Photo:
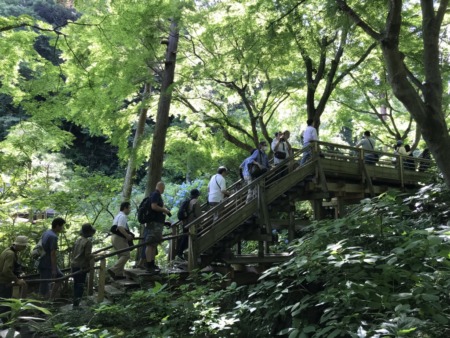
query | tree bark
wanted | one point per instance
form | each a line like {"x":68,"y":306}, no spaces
{"x":154,"y":171}
{"x":131,"y":166}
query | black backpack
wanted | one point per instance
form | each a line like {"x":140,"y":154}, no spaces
{"x":144,"y":214}
{"x":183,"y":212}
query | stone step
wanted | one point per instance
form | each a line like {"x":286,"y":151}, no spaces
{"x":125,"y":284}
{"x":112,"y":293}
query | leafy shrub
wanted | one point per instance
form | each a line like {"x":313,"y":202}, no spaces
{"x":382,"y":270}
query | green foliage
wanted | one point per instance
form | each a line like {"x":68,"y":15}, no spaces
{"x":18,"y":307}
{"x":382,"y":270}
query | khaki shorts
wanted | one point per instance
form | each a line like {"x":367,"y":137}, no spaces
{"x":154,"y":233}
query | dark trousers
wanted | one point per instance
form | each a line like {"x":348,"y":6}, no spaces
{"x":78,"y":285}
{"x":182,"y":243}
{"x":5,"y":292}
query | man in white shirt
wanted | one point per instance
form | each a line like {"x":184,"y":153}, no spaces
{"x":367,"y":143}
{"x":281,"y":147}
{"x":217,"y":187}
{"x":120,"y":241}
{"x":309,"y":135}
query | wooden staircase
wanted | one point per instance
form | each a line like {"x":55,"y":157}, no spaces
{"x":335,"y":176}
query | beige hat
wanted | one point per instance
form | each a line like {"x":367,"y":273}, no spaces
{"x":21,"y":240}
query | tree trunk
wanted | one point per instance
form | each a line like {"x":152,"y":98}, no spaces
{"x":131,"y":167}
{"x":154,"y":172}
{"x":426,"y":109}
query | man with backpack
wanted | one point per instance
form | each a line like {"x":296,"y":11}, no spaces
{"x":154,"y":227}
{"x":217,"y":189}
{"x":189,"y":210}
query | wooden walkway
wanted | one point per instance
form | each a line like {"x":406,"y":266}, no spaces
{"x":335,"y":176}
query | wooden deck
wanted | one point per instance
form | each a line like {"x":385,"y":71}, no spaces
{"x":330,"y":179}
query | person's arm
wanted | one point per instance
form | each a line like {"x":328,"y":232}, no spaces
{"x":125,"y":234}
{"x":157,"y":208}
{"x":275,"y":147}
{"x":223,"y":186}
{"x":196,"y":210}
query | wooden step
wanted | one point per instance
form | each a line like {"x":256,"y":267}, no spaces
{"x":125,"y":284}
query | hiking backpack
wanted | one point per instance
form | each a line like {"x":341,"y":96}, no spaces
{"x":144,"y":214}
{"x":183,"y":212}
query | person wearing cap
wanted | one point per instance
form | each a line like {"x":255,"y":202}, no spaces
{"x":10,"y":269}
{"x":259,"y":156}
{"x":48,"y":266}
{"x":81,"y":256}
{"x":193,"y":212}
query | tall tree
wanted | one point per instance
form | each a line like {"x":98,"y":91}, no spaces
{"x":238,"y":77}
{"x":162,"y":116}
{"x":421,"y":93}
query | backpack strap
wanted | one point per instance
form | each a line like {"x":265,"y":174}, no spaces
{"x":368,"y":139}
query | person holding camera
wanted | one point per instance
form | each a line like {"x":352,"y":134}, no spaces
{"x":281,"y":147}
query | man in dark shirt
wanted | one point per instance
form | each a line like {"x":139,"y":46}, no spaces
{"x":48,"y":266}
{"x":155,"y":227}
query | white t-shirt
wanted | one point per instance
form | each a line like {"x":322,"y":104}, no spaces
{"x":215,"y":187}
{"x":282,"y":147}
{"x":121,"y":220}
{"x":309,"y":135}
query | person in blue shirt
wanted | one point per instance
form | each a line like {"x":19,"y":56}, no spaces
{"x":257,"y":158}
{"x":48,"y":266}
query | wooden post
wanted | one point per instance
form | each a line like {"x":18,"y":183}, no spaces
{"x":174,"y":242}
{"x":90,"y":286}
{"x":319,"y":210}
{"x":291,"y":226}
{"x":400,"y":167}
{"x":192,"y":251}
{"x":340,"y":208}
{"x":264,"y":213}
{"x":101,"y":281}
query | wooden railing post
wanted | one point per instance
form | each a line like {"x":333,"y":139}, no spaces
{"x":192,"y":251}
{"x":101,"y":280}
{"x":174,"y":242}
{"x":90,"y":287}
{"x":401,"y":173}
